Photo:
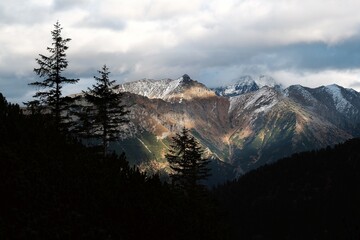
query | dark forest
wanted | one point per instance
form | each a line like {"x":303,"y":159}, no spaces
{"x":53,"y":187}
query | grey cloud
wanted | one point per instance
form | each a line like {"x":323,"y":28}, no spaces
{"x":320,"y":56}
{"x":61,"y":5}
{"x":355,"y":84}
{"x":93,"y":22}
{"x":300,"y":57}
{"x":19,"y":12}
{"x":225,"y":48}
{"x":15,"y":88}
{"x":209,"y":64}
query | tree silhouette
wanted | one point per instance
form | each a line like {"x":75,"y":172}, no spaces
{"x":102,"y":118}
{"x":51,"y":69}
{"x":185,"y":158}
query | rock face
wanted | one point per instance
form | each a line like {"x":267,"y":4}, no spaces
{"x":243,"y":125}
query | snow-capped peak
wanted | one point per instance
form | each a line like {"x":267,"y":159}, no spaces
{"x":262,"y":100}
{"x":151,"y":88}
{"x":238,"y":86}
{"x":340,"y":101}
{"x":185,"y":78}
{"x":166,"y":89}
{"x":246,"y":84}
{"x":258,"y":101}
{"x":264,"y":80}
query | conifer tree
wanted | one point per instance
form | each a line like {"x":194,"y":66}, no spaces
{"x":51,"y":69}
{"x":104,"y":114}
{"x":185,"y":158}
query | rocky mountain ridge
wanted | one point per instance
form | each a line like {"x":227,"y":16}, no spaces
{"x":167,"y":89}
{"x":245,"y":84}
{"x":244,"y":128}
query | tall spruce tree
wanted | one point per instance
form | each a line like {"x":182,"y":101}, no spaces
{"x":185,"y":159}
{"x":51,"y":69}
{"x":102,"y":118}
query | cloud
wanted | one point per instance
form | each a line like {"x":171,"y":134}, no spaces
{"x":345,"y":78}
{"x":22,"y":12}
{"x":15,"y":89}
{"x":63,"y":5}
{"x":307,"y":42}
{"x":355,"y":84}
{"x":93,"y":22}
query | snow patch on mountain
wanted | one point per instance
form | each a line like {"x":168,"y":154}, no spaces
{"x":151,"y":88}
{"x":234,"y":102}
{"x":246,"y":84}
{"x":341,"y":104}
{"x":266,"y":107}
{"x":262,"y":100}
{"x":307,"y":97}
{"x":239,"y":86}
{"x":259,"y":101}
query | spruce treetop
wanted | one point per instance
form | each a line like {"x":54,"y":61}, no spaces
{"x":51,"y":68}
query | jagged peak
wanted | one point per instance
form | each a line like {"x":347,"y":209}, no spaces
{"x":185,"y":78}
{"x":237,"y":86}
{"x":261,"y":80}
{"x":246,"y":84}
{"x":183,"y":87}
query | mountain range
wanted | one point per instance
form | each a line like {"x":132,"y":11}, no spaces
{"x":241,"y":126}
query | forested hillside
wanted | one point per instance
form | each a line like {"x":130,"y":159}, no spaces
{"x":52,"y":187}
{"x":311,"y":195}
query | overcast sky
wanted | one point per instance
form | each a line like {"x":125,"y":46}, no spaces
{"x":308,"y":42}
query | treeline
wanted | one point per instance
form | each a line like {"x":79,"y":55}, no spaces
{"x":52,"y":187}
{"x":310,"y":195}
{"x":95,"y":114}
{"x":55,"y":187}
